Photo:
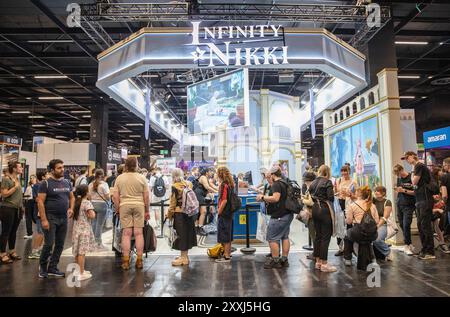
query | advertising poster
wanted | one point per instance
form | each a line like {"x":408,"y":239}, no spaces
{"x":359,"y":146}
{"x":167,"y":165}
{"x":217,"y":103}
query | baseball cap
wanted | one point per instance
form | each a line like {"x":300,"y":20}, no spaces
{"x":408,"y":153}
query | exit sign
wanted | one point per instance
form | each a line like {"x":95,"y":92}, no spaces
{"x":164,"y":152}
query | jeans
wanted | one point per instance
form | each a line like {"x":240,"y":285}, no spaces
{"x":379,"y":243}
{"x":405,"y":216}
{"x":424,"y":211}
{"x":99,"y":220}
{"x":55,"y":235}
{"x":324,"y":229}
{"x":10,"y":219}
{"x":29,"y":216}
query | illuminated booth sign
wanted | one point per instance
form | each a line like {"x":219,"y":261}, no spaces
{"x":251,"y":46}
{"x":436,"y":138}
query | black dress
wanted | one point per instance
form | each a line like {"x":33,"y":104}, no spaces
{"x":184,"y":227}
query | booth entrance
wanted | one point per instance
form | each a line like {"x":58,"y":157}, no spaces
{"x":258,"y":131}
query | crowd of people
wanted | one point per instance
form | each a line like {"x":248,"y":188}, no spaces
{"x":136,"y":196}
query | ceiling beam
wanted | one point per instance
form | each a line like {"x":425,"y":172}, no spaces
{"x":412,"y":15}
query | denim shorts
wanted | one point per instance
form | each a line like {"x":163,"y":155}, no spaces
{"x":279,"y":228}
{"x":224,"y":230}
{"x":39,"y":226}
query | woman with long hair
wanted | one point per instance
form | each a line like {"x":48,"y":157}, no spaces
{"x":322,"y":193}
{"x":99,"y":194}
{"x":29,"y":207}
{"x":225,"y":217}
{"x":354,"y":215}
{"x":345,"y":188}
{"x":182,"y":223}
{"x":202,"y":190}
{"x":83,"y":240}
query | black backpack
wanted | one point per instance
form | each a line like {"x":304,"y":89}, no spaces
{"x":368,"y":227}
{"x":159,"y":189}
{"x":234,"y":203}
{"x":293,"y":195}
{"x":433,"y":187}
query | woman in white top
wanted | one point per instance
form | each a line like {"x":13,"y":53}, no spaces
{"x":354,"y":214}
{"x":29,"y":203}
{"x":345,"y":189}
{"x":99,"y":194}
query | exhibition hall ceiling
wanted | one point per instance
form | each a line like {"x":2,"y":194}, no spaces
{"x":48,"y":71}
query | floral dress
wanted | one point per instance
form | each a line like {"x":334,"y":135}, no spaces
{"x":83,"y":240}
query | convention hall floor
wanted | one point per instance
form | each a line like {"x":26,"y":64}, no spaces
{"x":244,"y":277}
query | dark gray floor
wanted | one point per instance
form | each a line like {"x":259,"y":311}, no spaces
{"x":244,"y":277}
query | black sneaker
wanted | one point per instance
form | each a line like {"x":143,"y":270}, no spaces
{"x":268,"y":255}
{"x":427,"y":256}
{"x":271,"y":263}
{"x":284,"y":262}
{"x":43,"y":271}
{"x":56,"y":273}
{"x":201,"y":232}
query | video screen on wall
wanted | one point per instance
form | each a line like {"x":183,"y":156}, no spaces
{"x":359,"y":146}
{"x":219,"y":102}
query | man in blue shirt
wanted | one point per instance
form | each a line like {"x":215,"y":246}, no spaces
{"x":55,"y":204}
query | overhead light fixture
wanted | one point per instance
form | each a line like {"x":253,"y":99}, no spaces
{"x":50,"y":77}
{"x":157,"y":102}
{"x":166,"y":111}
{"x":28,"y":98}
{"x":85,"y":125}
{"x":410,"y":43}
{"x":303,"y":102}
{"x":161,"y":140}
{"x":60,"y":137}
{"x":35,"y":117}
{"x":429,"y":77}
{"x":134,"y":136}
{"x":311,"y":75}
{"x":50,"y":98}
{"x":315,"y":90}
{"x":159,"y":146}
{"x":408,"y":76}
{"x":40,"y":131}
{"x":149,"y":76}
{"x":133,"y":124}
{"x":80,"y":131}
{"x":50,"y":41}
{"x":80,"y":111}
{"x":124,"y":131}
{"x":86,"y":116}
{"x":20,"y":112}
{"x":127,"y":140}
{"x":424,"y":97}
{"x":38,"y":125}
{"x":407,"y":97}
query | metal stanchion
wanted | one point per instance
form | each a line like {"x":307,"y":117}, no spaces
{"x":161,"y":235}
{"x":247,"y":249}
{"x":309,"y":246}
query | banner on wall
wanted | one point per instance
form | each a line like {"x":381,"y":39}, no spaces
{"x":199,"y":164}
{"x":147,"y":112}
{"x":313,"y":120}
{"x":358,"y":146}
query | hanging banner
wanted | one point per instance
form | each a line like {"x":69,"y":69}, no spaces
{"x":181,"y":149}
{"x":313,"y":121}
{"x":147,"y":113}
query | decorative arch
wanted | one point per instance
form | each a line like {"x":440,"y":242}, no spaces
{"x":362,"y":103}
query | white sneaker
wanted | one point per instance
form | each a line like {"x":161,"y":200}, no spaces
{"x":84,"y":276}
{"x":408,"y":250}
{"x":348,"y":262}
{"x":28,"y":237}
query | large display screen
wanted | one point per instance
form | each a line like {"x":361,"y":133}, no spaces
{"x":358,"y":146}
{"x":219,"y":102}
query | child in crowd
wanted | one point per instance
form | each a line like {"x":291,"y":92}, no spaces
{"x":83,"y":240}
{"x":438,"y":214}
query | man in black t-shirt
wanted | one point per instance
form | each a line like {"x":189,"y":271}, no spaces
{"x":280,"y":221}
{"x":406,"y":204}
{"x":445,"y":188}
{"x":55,"y":204}
{"x":420,"y":179}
